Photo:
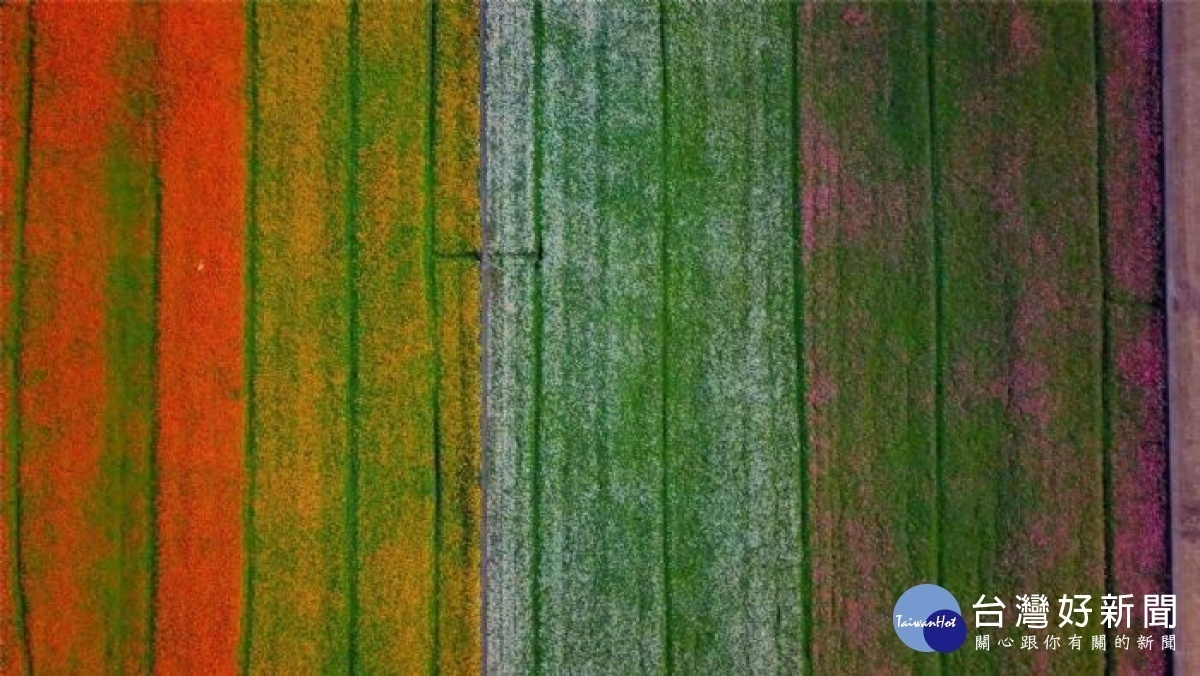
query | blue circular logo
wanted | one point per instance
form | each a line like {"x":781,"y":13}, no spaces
{"x":928,"y":618}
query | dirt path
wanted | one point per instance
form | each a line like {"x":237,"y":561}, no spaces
{"x":1181,"y":118}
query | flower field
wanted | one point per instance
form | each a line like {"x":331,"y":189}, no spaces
{"x":574,"y":337}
